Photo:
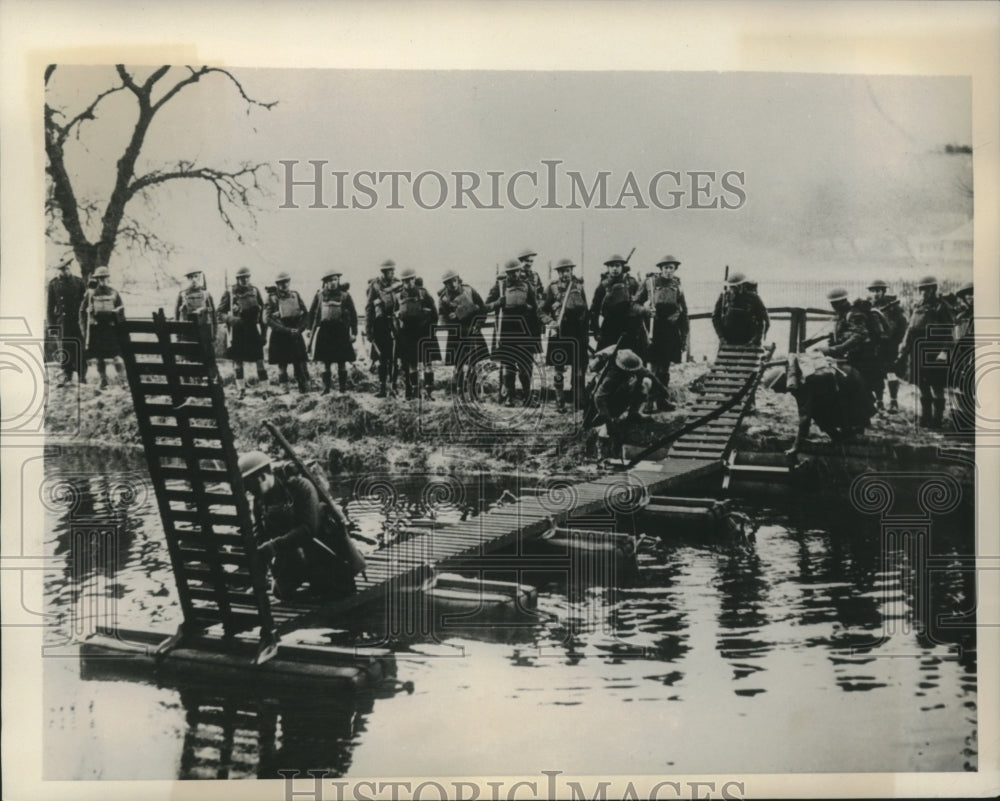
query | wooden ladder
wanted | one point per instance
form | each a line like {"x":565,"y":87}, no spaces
{"x":733,"y":366}
{"x":184,"y":425}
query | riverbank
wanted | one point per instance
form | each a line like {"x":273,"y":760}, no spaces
{"x":355,"y":432}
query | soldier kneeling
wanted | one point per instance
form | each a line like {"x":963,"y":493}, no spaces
{"x":299,"y":535}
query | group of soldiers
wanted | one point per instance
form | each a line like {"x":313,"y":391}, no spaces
{"x":640,"y":326}
{"x":875,"y":337}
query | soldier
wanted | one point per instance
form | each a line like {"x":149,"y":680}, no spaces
{"x":462,"y":311}
{"x":740,"y":317}
{"x":242,"y":310}
{"x":963,"y":376}
{"x":287,"y":317}
{"x":514,"y":301}
{"x":564,"y":310}
{"x":415,"y":343}
{"x":301,"y":538}
{"x":622,"y":386}
{"x":333,"y":321}
{"x":527,"y":259}
{"x":663,"y":304}
{"x":65,"y":296}
{"x":613,"y":314}
{"x":195,"y":304}
{"x":853,"y":340}
{"x":380,"y":308}
{"x":101,"y":311}
{"x":926,"y":346}
{"x":895,"y":324}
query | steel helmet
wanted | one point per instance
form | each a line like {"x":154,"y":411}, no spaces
{"x":836,"y":295}
{"x":102,"y":272}
{"x":282,"y":277}
{"x":736,"y":279}
{"x":512,"y":265}
{"x":615,"y":259}
{"x":243,"y":271}
{"x":926,"y":281}
{"x":408,"y":272}
{"x":192,"y":273}
{"x":333,"y":271}
{"x":565,"y":264}
{"x":253,"y":462}
{"x":450,"y":275}
{"x":878,"y":283}
{"x":628,"y":361}
{"x":965,"y":289}
{"x":527,"y":253}
{"x":668,"y":260}
{"x":388,"y":264}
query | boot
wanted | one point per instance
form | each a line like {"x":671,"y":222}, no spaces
{"x":342,"y":379}
{"x":303,"y":384}
{"x":409,"y":382}
{"x":428,"y":384}
{"x":561,"y":396}
{"x":925,"y":413}
{"x":381,"y":389}
{"x":104,"y":382}
{"x":938,"y":419}
{"x":283,"y":381}
{"x":327,"y":383}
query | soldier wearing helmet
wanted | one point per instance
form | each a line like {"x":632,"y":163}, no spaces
{"x":926,"y":348}
{"x":663,"y":304}
{"x":416,"y":345}
{"x":195,"y":304}
{"x":614,"y":316}
{"x":516,"y":341}
{"x":287,"y":317}
{"x":895,"y":323}
{"x":101,"y":312}
{"x":530,"y":275}
{"x":564,"y":309}
{"x":298,"y":536}
{"x":854,"y":339}
{"x":380,"y":308}
{"x":63,"y":301}
{"x":241,"y":308}
{"x":462,"y":312}
{"x":740,"y":317}
{"x":333,"y":322}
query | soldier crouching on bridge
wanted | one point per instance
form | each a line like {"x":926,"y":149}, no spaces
{"x":298,"y":535}
{"x":621,"y":388}
{"x":286,"y":315}
{"x":101,"y":312}
{"x":854,"y":340}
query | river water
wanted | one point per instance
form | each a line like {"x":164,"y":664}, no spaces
{"x":802,"y":652}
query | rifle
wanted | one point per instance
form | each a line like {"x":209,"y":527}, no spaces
{"x":652,"y":308}
{"x":814,"y":340}
{"x":311,"y":349}
{"x":353,"y":555}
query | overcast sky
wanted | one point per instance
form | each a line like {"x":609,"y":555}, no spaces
{"x":823,"y":157}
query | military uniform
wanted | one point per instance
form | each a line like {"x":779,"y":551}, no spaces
{"x":663,"y":301}
{"x":613,"y":314}
{"x":287,"y":317}
{"x":380,"y":329}
{"x":333,"y":321}
{"x":64,"y":298}
{"x":462,"y":312}
{"x":739,"y":316}
{"x":963,"y":374}
{"x":516,"y":342}
{"x":195,"y":305}
{"x":290,"y":519}
{"x":926,"y":348}
{"x":242,"y":309}
{"x":851,"y":341}
{"x":531,"y":277}
{"x":564,"y":309}
{"x":101,"y":312}
{"x":895,"y":322}
{"x":622,"y":387}
{"x":415,"y":342}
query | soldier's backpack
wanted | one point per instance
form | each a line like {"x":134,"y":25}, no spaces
{"x":879,"y":327}
{"x":574,"y":298}
{"x":194,"y":301}
{"x":616,"y":299}
{"x":516,"y":297}
{"x":411,"y":310}
{"x":666,"y":296}
{"x":104,"y":305}
{"x":244,"y":303}
{"x":331,"y":310}
{"x":288,"y":307}
{"x":464,"y":305}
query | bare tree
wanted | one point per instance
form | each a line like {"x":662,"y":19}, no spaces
{"x":93,"y":240}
